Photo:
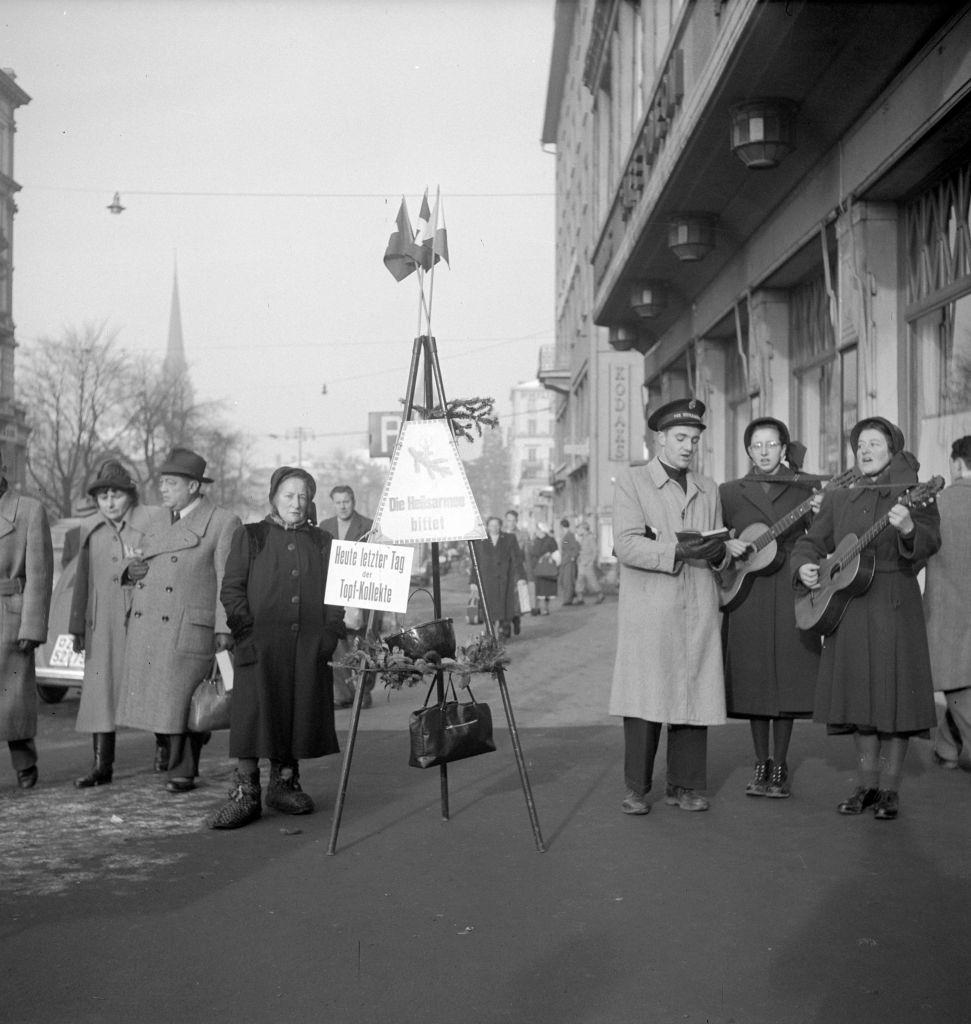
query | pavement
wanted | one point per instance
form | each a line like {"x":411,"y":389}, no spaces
{"x":116,"y":905}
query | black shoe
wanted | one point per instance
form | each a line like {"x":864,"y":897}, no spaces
{"x":778,"y":787}
{"x":100,"y":775}
{"x":516,"y":625}
{"x":180,"y":785}
{"x":887,"y":806}
{"x":27,"y":777}
{"x":859,"y":801}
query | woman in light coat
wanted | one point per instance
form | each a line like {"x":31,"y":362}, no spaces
{"x":100,"y":606}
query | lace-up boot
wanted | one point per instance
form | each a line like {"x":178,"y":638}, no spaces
{"x":243,"y":805}
{"x":760,"y":778}
{"x":778,"y":787}
{"x":284,"y":794}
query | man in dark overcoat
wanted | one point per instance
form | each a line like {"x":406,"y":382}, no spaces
{"x":177,"y":622}
{"x":26,"y":577}
{"x":349,"y":524}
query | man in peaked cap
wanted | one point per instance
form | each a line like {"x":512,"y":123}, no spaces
{"x":177,"y":621}
{"x":26,"y":575}
{"x":669,"y":660}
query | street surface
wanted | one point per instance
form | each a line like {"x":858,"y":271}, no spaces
{"x":116,"y":905}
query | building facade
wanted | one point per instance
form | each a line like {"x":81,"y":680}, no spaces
{"x":529,"y":440}
{"x":594,"y":388}
{"x":13,"y":425}
{"x":778,"y":212}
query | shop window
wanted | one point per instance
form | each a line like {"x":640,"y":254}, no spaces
{"x":818,"y":369}
{"x":941,"y":369}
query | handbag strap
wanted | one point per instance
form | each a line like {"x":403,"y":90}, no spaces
{"x":449,"y":685}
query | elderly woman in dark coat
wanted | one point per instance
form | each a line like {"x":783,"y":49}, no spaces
{"x":539,"y":562}
{"x":770,"y":665}
{"x":285,"y":636}
{"x":874,"y":674}
{"x":498,"y":557}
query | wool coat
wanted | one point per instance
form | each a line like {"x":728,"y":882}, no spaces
{"x":100,"y":607}
{"x":669,"y":661}
{"x":875,"y":670}
{"x":947,"y":591}
{"x":273,"y":594}
{"x":26,"y":574}
{"x":357,"y":527}
{"x":541,"y":544}
{"x":770,"y":664}
{"x":499,"y":568}
{"x":569,"y":553}
{"x":175,"y":614}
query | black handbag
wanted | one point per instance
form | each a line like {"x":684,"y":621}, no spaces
{"x":210,"y":703}
{"x":449,"y":731}
{"x":546,"y":568}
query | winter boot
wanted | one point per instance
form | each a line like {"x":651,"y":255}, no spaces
{"x":283,"y":793}
{"x":243,"y":805}
{"x":104,"y":758}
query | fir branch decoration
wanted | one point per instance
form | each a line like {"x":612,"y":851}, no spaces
{"x":464,"y":415}
{"x":395,"y":669}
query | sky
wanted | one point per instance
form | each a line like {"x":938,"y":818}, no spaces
{"x":265,"y":148}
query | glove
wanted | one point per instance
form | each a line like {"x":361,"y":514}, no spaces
{"x":709,"y":549}
{"x":27,"y":646}
{"x":77,"y":643}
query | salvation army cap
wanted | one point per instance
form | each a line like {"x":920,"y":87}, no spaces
{"x":682,"y":412}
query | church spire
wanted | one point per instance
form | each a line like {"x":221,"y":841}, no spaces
{"x":175,"y":364}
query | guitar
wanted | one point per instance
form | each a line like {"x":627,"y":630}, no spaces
{"x":764,"y":556}
{"x":848,"y":571}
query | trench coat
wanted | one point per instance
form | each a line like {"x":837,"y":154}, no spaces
{"x":283,"y":701}
{"x":27,"y":571}
{"x":770,"y":664}
{"x":499,"y":569}
{"x":669,"y":660}
{"x":175,"y":613}
{"x":875,"y":670}
{"x":100,"y":607}
{"x":947,"y":591}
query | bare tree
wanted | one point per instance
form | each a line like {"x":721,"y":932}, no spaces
{"x":365,"y":477}
{"x":73,"y":387}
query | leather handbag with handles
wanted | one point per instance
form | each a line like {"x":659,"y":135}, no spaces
{"x":210,"y":704}
{"x":449,"y":731}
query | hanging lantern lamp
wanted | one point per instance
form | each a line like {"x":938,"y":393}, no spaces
{"x":763,"y":132}
{"x":691,"y":236}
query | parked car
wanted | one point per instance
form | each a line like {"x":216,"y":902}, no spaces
{"x":57,"y":667}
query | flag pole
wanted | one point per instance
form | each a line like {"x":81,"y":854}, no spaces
{"x":431,"y":283}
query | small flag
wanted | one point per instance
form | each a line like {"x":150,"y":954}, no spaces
{"x":402,"y":255}
{"x":432,"y":235}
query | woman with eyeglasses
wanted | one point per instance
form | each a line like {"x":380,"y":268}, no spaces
{"x":875,"y":675}
{"x":770,"y":665}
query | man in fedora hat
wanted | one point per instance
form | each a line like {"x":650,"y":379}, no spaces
{"x":669,"y":659}
{"x":26,"y":576}
{"x":177,"y":622}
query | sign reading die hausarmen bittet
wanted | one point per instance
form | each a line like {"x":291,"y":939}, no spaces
{"x":369,"y":575}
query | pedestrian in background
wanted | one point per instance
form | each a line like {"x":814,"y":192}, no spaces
{"x":100,"y":607}
{"x":569,"y":553}
{"x":669,"y":660}
{"x":588,"y":580}
{"x":540,"y":562}
{"x":26,"y":577}
{"x":874,"y":673}
{"x":348,"y":524}
{"x":498,"y":571}
{"x":947,"y":597}
{"x":285,"y":637}
{"x":770,"y":665}
{"x":177,"y":622}
{"x":510,"y":525}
